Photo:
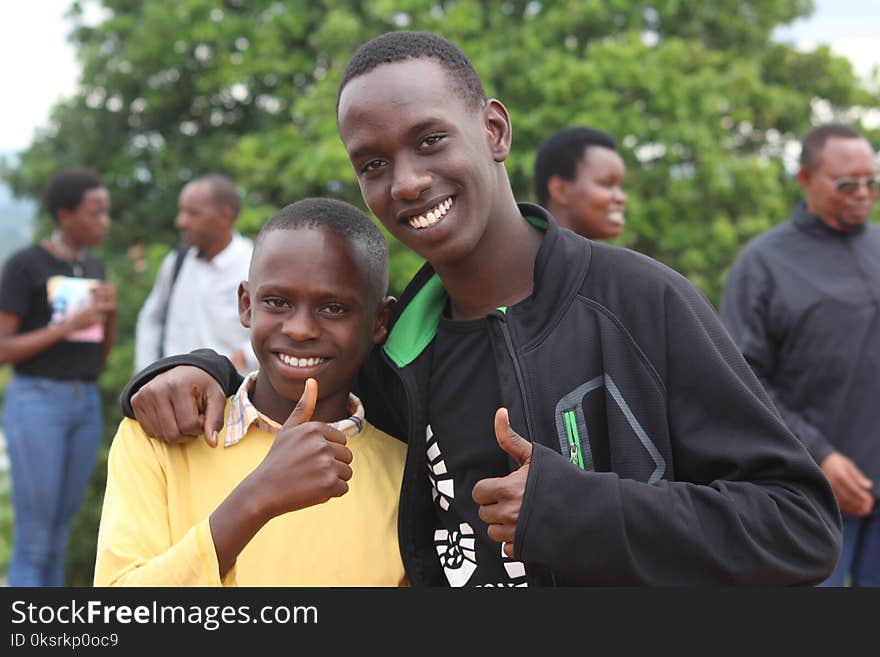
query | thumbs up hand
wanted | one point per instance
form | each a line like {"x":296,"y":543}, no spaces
{"x":307,"y":464}
{"x":500,"y":498}
{"x":305,"y":407}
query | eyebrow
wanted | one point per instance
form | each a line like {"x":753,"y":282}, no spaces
{"x":283,"y":289}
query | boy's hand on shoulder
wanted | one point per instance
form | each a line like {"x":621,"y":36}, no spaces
{"x":307,"y":464}
{"x":500,"y":498}
{"x":180,"y":404}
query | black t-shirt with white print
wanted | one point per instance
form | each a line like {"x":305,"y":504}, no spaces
{"x":462,"y":450}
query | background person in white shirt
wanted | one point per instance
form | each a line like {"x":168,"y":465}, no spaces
{"x":201,"y":308}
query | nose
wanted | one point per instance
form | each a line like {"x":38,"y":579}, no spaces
{"x":301,"y":325}
{"x":180,"y":221}
{"x":620,"y":195}
{"x":410,"y":180}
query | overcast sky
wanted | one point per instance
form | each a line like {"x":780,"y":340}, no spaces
{"x":39,"y":67}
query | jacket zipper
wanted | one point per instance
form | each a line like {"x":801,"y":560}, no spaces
{"x":508,"y":341}
{"x":574,"y":439}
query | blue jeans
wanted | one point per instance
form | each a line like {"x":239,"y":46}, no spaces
{"x":53,"y":431}
{"x":860,"y":556}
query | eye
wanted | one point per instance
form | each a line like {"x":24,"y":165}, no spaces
{"x":430,"y":140}
{"x":611,"y":183}
{"x":334,"y":309}
{"x":276,"y":303}
{"x":847,"y":186}
{"x":372,"y":165}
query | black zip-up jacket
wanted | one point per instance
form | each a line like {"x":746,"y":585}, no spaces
{"x":615,"y":362}
{"x":802,"y":302}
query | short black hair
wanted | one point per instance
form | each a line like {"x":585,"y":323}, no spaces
{"x":560,"y":153}
{"x":342,"y":219}
{"x":223,"y":192}
{"x":814,"y":141}
{"x":394,"y":47}
{"x":65,"y":190}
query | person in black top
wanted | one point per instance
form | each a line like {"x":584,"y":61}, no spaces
{"x":57,"y":324}
{"x":575,"y":414}
{"x":802,"y":301}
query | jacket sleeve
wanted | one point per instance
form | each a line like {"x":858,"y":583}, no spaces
{"x":220,"y":367}
{"x":745,"y":503}
{"x":135,"y":547}
{"x":746,"y":313}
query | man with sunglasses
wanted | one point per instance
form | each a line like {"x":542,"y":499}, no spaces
{"x":802,"y":302}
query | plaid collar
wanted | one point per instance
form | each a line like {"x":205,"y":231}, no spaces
{"x":242,"y":414}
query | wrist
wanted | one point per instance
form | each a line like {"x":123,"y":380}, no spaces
{"x":256,"y":508}
{"x":65,"y":327}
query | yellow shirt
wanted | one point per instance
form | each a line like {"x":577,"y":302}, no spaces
{"x":154,"y":524}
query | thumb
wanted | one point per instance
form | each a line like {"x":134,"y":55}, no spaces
{"x":305,"y":407}
{"x":215,"y":405}
{"x":509,"y":440}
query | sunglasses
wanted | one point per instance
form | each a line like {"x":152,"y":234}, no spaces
{"x":849,"y":184}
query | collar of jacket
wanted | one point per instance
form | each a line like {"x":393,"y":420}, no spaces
{"x":812,"y":224}
{"x":416,"y":316}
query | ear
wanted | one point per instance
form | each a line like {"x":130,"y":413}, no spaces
{"x":557,"y":190}
{"x":380,"y":328}
{"x":63,"y":216}
{"x":803,"y":177}
{"x":498,"y":129}
{"x":244,"y":304}
{"x":227,"y":215}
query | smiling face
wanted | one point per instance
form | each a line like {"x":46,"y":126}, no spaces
{"x":840,"y":158}
{"x":427,"y":164}
{"x":593,"y":202}
{"x":89,"y":222}
{"x":313,"y":311}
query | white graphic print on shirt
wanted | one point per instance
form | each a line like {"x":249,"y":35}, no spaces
{"x":442,"y":485}
{"x":456,"y":552}
{"x":457,"y":549}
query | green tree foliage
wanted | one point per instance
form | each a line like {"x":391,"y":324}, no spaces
{"x":703,"y":103}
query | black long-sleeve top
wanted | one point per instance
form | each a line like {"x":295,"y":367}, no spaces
{"x":802,"y":303}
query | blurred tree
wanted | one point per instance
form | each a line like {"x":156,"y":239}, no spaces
{"x":704,"y":103}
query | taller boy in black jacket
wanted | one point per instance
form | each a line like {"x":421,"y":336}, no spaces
{"x":634,"y":444}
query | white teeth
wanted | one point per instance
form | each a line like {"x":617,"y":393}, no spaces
{"x":300,"y":362}
{"x":432,"y":216}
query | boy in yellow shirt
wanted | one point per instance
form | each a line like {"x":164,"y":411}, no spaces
{"x":300,"y":490}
